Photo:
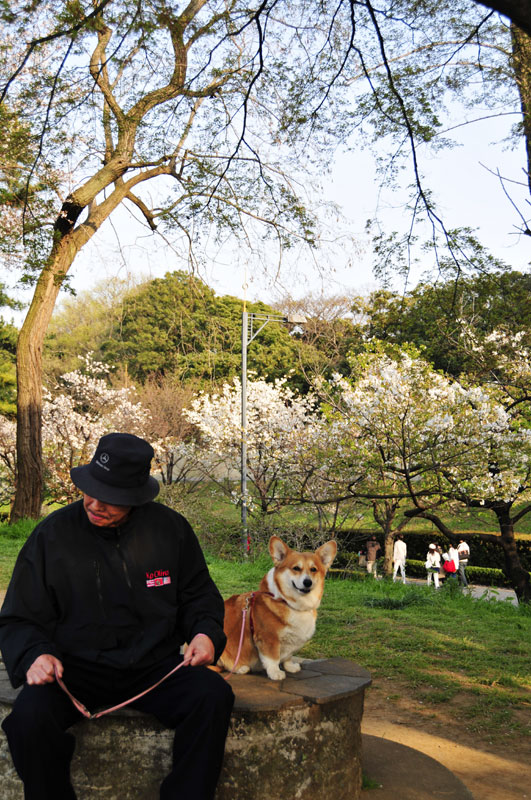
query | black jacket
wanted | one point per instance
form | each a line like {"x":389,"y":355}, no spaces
{"x":125,"y":596}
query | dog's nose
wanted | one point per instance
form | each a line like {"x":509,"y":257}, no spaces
{"x":307,"y":582}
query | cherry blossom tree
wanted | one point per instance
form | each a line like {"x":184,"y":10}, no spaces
{"x":83,"y":408}
{"x":423,"y":440}
{"x":281,"y":431}
{"x":8,"y":458}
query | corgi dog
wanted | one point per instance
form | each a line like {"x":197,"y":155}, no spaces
{"x":281,"y":616}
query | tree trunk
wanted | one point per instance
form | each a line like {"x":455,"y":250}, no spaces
{"x":521,"y":62}
{"x":517,"y":575}
{"x":389,"y":544}
{"x":29,"y":474}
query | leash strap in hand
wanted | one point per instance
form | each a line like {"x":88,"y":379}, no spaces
{"x":86,"y":713}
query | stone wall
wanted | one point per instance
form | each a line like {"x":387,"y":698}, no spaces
{"x":288,"y":740}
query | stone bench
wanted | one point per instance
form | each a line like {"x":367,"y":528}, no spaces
{"x":291,"y":739}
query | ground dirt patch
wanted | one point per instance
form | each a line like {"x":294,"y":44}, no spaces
{"x":492,"y":766}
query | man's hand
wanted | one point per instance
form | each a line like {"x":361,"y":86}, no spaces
{"x":42,"y":670}
{"x":200,"y":651}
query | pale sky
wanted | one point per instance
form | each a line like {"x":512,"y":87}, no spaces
{"x":469,"y":195}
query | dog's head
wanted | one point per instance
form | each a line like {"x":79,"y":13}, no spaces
{"x":299,"y":577}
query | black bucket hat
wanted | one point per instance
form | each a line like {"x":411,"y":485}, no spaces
{"x":119,"y":471}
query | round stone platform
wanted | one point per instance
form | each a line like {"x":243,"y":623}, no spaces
{"x":287,"y":740}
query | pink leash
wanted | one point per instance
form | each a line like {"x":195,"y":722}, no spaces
{"x":86,"y":713}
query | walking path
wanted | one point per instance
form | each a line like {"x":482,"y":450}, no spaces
{"x":485,"y":592}
{"x":452,"y":765}
{"x":399,"y":772}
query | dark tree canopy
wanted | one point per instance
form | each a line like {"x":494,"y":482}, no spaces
{"x":178,"y":326}
{"x":432,"y":316}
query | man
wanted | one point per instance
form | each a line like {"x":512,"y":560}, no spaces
{"x":399,"y":558}
{"x":104,"y":593}
{"x":433,"y":565}
{"x":463,"y":551}
{"x":373,"y":548}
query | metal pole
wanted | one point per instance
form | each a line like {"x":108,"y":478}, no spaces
{"x":245,"y":534}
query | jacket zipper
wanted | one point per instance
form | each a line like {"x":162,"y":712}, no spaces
{"x":122,"y":559}
{"x":99,"y":587}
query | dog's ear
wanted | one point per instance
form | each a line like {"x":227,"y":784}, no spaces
{"x":327,"y":552}
{"x":278,"y":549}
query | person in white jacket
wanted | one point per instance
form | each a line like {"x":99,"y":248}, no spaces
{"x":463,"y":551}
{"x":399,"y":558}
{"x":453,"y":555}
{"x":433,"y":564}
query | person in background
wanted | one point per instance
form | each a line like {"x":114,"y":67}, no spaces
{"x":433,"y":565}
{"x":399,"y":558}
{"x":453,"y":556}
{"x":442,"y":573}
{"x":463,"y":551}
{"x":373,"y":548}
{"x":104,"y":594}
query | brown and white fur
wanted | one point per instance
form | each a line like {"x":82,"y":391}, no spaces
{"x":283,"y":611}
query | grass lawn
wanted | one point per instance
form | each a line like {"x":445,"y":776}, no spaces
{"x":439,"y":651}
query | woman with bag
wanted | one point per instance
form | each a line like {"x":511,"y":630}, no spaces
{"x":451,"y":562}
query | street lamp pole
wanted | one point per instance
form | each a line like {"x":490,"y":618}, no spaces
{"x":245,"y":341}
{"x":248,"y":335}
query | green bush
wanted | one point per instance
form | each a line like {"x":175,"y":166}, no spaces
{"x":483,"y":576}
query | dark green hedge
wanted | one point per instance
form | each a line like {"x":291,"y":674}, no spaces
{"x":481,"y":576}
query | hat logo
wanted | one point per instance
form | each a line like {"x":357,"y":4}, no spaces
{"x":102,"y":460}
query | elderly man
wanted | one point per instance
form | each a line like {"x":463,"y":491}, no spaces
{"x":103,"y":595}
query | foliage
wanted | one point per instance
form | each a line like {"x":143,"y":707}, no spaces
{"x":434,"y":317}
{"x":177,"y":325}
{"x":8,"y":380}
{"x":81,"y":410}
{"x":281,"y":435}
{"x":102,"y":102}
{"x":116,"y":98}
{"x":411,"y":435}
{"x":333,"y":326}
{"x":81,"y":323}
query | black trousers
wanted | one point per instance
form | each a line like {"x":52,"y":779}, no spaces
{"x":195,"y":701}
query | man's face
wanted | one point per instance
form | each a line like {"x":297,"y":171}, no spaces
{"x":102,"y":514}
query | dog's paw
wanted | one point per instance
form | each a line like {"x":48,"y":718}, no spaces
{"x":292,"y":666}
{"x":242,"y":670}
{"x":275,"y":673}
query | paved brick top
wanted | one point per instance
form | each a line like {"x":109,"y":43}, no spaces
{"x":319,"y":681}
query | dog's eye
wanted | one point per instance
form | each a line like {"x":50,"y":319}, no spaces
{"x":297,"y":569}
{"x":313,"y":569}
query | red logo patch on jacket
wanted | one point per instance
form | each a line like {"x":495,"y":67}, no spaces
{"x":160,"y":577}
